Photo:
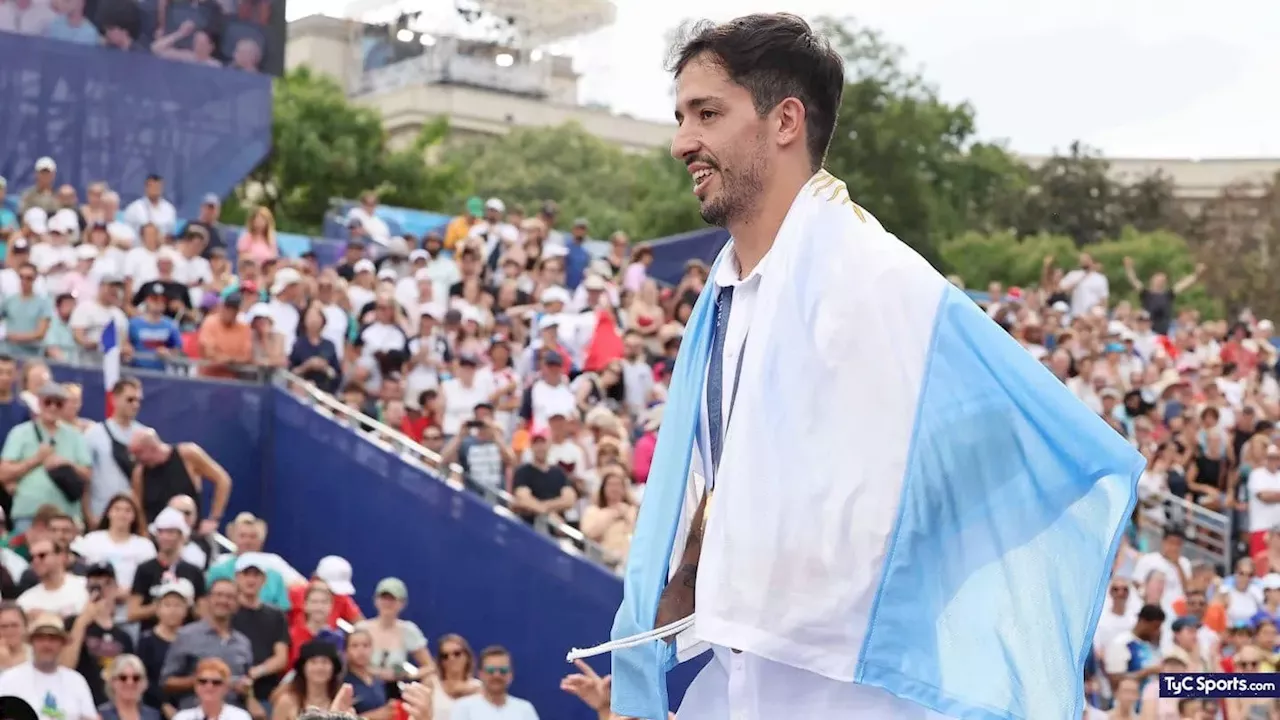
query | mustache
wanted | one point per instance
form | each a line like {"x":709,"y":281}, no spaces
{"x":700,"y":158}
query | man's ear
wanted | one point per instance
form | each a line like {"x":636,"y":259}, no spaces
{"x":789,"y":119}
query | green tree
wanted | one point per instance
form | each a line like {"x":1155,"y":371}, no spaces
{"x":646,"y":195}
{"x":908,"y":156}
{"x":325,"y":147}
{"x":1240,"y":233}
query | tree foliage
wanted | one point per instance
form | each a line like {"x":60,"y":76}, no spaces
{"x":1240,"y":232}
{"x":325,"y":147}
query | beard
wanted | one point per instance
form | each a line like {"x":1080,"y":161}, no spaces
{"x":740,"y":188}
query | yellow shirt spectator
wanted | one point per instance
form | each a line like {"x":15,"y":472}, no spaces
{"x":460,"y":226}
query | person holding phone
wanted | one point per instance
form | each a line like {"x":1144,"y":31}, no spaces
{"x":94,"y":639}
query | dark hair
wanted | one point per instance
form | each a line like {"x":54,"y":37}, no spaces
{"x":139,"y":522}
{"x":315,"y":648}
{"x":774,"y":56}
{"x":493,"y":651}
{"x":466,"y":649}
{"x":125,"y":383}
{"x":7,"y":358}
{"x":1151,"y":613}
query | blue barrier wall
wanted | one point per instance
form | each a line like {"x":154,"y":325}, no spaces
{"x":119,"y":117}
{"x":324,"y":490}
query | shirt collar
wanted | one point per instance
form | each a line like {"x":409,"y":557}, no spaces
{"x":727,"y":274}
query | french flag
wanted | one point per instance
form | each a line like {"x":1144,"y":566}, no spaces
{"x":110,"y":362}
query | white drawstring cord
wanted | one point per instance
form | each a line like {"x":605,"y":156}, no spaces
{"x":668,"y":630}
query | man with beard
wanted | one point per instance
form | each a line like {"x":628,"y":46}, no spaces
{"x":895,"y":528}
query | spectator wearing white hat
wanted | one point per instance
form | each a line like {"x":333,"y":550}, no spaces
{"x":268,"y":345}
{"x":170,"y":531}
{"x":363,"y":285}
{"x":19,"y":255}
{"x":493,"y":230}
{"x":396,"y":258}
{"x":41,"y":194}
{"x":266,"y":627}
{"x":152,"y":208}
{"x":284,"y":306}
{"x":335,"y":572}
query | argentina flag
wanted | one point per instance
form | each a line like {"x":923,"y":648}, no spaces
{"x":908,"y":503}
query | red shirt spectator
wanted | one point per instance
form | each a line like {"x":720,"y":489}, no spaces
{"x":335,"y":572}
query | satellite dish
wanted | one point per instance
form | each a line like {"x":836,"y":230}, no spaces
{"x":15,"y":708}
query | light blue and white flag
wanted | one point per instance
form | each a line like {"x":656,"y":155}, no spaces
{"x":906,"y":499}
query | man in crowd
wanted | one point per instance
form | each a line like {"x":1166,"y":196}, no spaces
{"x":54,"y":691}
{"x":494,"y":702}
{"x":108,"y":443}
{"x":94,"y":638}
{"x":170,"y":532}
{"x":165,"y":471}
{"x":211,"y":636}
{"x":541,"y":488}
{"x":59,"y":592}
{"x":45,"y":461}
{"x":265,"y":626}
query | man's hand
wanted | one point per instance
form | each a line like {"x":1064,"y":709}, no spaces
{"x":208,"y":526}
{"x":53,"y":460}
{"x":44,"y":452}
{"x":589,"y":687}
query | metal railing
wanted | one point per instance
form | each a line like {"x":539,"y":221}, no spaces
{"x":173,"y":364}
{"x":452,"y":474}
{"x":1209,"y":533}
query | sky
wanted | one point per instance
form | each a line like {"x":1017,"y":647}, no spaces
{"x":1134,"y":78}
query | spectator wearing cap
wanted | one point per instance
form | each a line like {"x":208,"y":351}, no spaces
{"x":92,"y":314}
{"x":265,"y":626}
{"x":80,"y":282}
{"x":549,"y":395}
{"x":249,"y":534}
{"x":207,"y":220}
{"x":42,"y":194}
{"x":365,"y":216}
{"x":316,"y":679}
{"x":285,"y":306}
{"x":57,"y":590}
{"x":43,"y":682}
{"x":462,"y":393}
{"x":268,"y":345}
{"x":10,"y":279}
{"x":396,"y":260}
{"x":493,"y":231}
{"x":224,"y":339}
{"x":152,"y":208}
{"x":56,"y":256}
{"x":395,"y":640}
{"x":1185,"y":645}
{"x":479,"y":449}
{"x":335,"y":572}
{"x":313,"y":622}
{"x":154,"y":336}
{"x":27,"y":315}
{"x":460,"y":226}
{"x":45,"y":461}
{"x":539,"y":486}
{"x":352,"y":253}
{"x":170,"y":532}
{"x":196,"y":643}
{"x":1135,"y":653}
{"x":177,"y":295}
{"x":94,"y":639}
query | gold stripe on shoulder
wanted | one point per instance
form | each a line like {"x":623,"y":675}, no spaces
{"x":824,"y":183}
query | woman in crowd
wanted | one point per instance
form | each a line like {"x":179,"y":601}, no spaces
{"x":120,"y":539}
{"x":313,"y":622}
{"x":258,"y":241}
{"x":1241,"y":593}
{"x":611,"y":521}
{"x":369,"y":692}
{"x":314,"y":358}
{"x":1126,"y":703}
{"x":643,"y":314}
{"x":126,"y":685}
{"x":458,"y":679}
{"x":395,"y":640}
{"x":317,"y":676}
{"x":14,"y":649}
{"x":213,"y":682}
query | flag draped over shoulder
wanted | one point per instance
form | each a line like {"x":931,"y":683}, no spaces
{"x":907,"y":499}
{"x":110,"y":362}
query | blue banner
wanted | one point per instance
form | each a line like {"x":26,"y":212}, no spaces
{"x":119,"y":117}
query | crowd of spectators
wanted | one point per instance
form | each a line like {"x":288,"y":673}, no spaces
{"x":503,"y":344}
{"x":214,"y":33}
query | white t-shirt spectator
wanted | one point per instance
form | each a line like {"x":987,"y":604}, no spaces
{"x":284,"y":319}
{"x":547,"y":400}
{"x":140,"y":266}
{"x":1154,"y":561}
{"x":1263,"y":515}
{"x":1089,"y":289}
{"x":1111,"y":625}
{"x":336,"y":326}
{"x":477,"y":707}
{"x":460,"y":401}
{"x":161,"y":214}
{"x":92,"y":316}
{"x":229,"y":712}
{"x":359,"y":297}
{"x":67,"y":600}
{"x":125,"y":557}
{"x":382,"y":337}
{"x":35,"y":20}
{"x":66,"y":688}
{"x":192,"y":271}
{"x":376,"y":227}
{"x":46,"y":255}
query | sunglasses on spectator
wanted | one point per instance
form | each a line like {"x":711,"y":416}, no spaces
{"x":215,"y":682}
{"x":42,"y":555}
{"x":1247,"y":665}
{"x":27,"y":277}
{"x":449,"y":655}
{"x":129,"y":678}
{"x":52,"y":402}
{"x":497,"y":670}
